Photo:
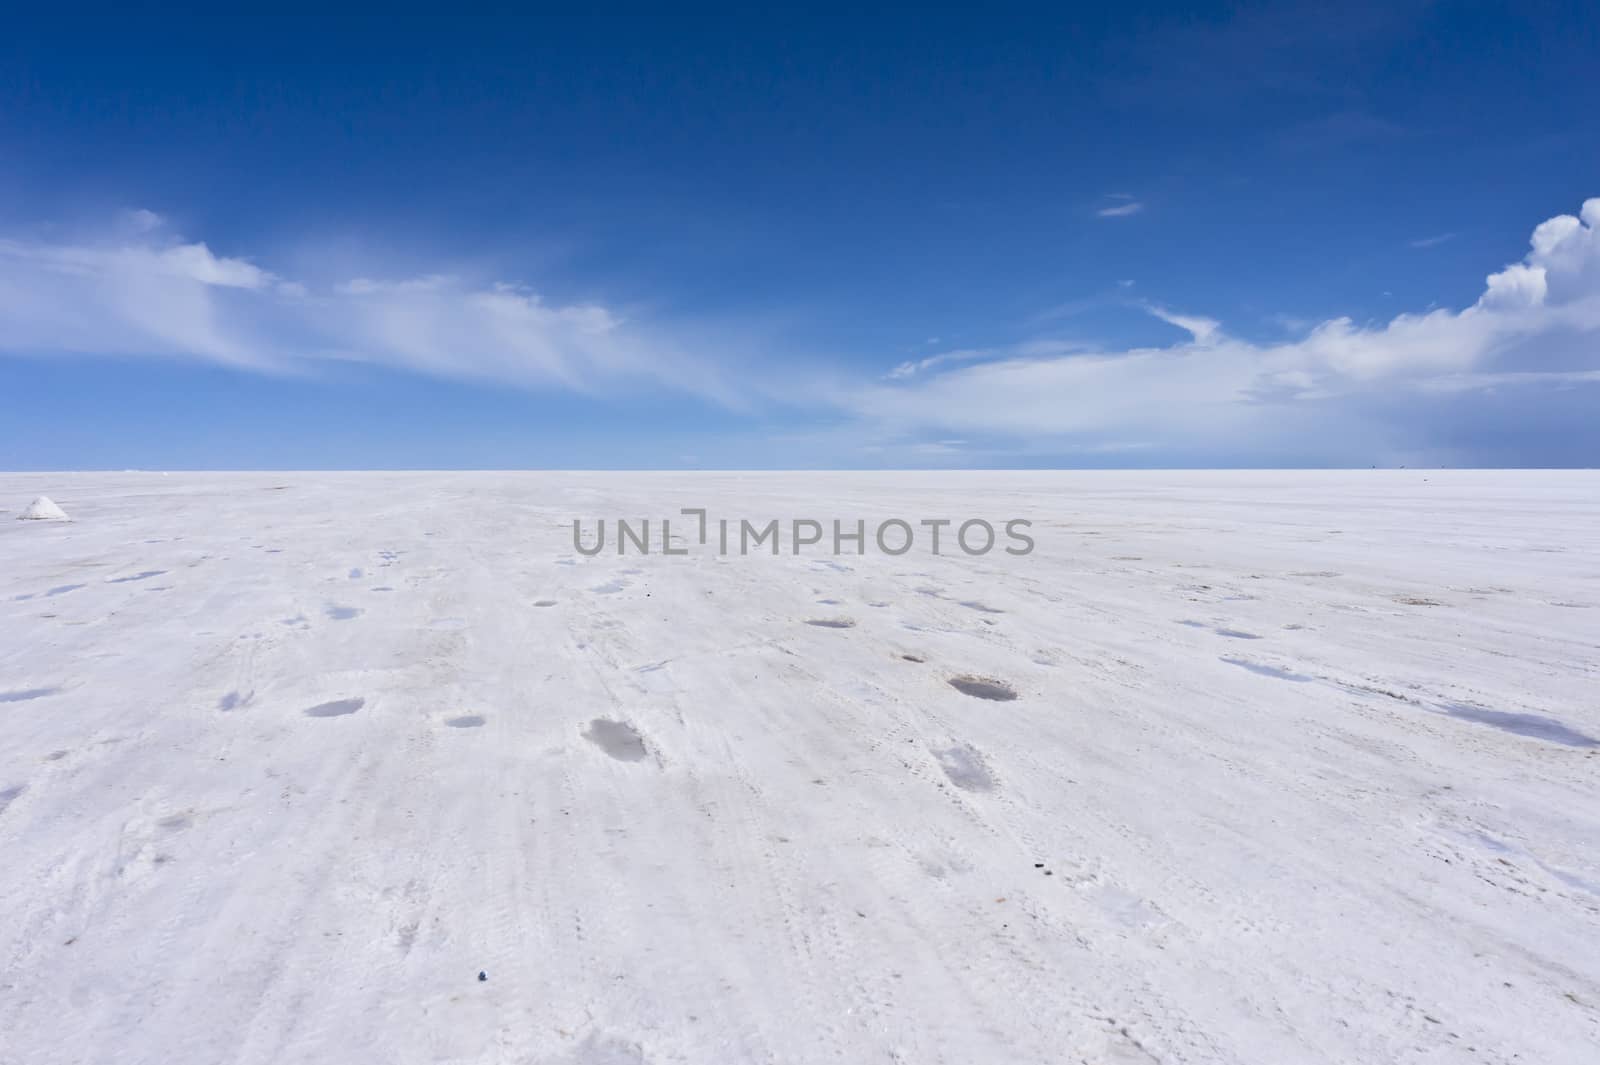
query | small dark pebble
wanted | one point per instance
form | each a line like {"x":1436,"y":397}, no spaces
{"x":1048,"y":873}
{"x":482,"y":976}
{"x":1038,"y":865}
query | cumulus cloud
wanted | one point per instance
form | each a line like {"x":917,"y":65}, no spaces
{"x":1537,"y":321}
{"x":140,"y":293}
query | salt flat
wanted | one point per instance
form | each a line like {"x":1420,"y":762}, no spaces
{"x":1301,"y":767}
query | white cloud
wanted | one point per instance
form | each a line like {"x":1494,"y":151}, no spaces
{"x":912,"y":367}
{"x":192,"y":262}
{"x":139,"y":293}
{"x":141,"y":221}
{"x":1123,"y":204}
{"x":1545,"y":307}
{"x":127,"y":298}
{"x":1431,"y":242}
{"x":1031,"y":349}
{"x":1203,"y":330}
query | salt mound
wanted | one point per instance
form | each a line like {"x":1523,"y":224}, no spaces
{"x":43,"y":509}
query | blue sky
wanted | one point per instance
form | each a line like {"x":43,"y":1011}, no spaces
{"x":1209,"y":235}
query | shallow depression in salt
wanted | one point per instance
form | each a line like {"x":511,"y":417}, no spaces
{"x":1233,"y":767}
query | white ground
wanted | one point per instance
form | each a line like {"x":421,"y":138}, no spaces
{"x":1273,"y":849}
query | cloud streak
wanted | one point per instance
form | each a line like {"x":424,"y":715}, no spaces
{"x":145,"y":293}
{"x":1124,"y":207}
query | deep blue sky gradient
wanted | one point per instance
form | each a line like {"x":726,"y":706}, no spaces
{"x":856,"y":191}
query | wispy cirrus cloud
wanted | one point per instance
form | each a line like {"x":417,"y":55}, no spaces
{"x":1123,"y":205}
{"x":1028,"y":349}
{"x":142,"y":291}
{"x":1430,"y":242}
{"x":1203,"y":330}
